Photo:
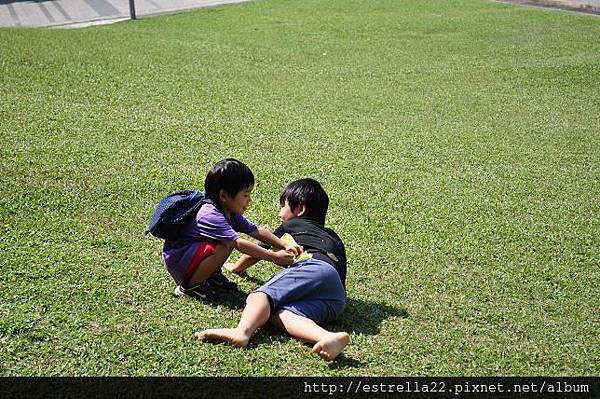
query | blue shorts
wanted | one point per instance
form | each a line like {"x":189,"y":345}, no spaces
{"x":311,"y":288}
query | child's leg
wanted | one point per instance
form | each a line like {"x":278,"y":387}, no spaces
{"x":255,"y":314}
{"x":327,"y":344}
{"x":210,"y":264}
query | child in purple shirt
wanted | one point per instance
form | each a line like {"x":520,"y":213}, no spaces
{"x":208,"y":239}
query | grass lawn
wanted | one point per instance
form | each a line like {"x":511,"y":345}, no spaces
{"x":459,"y":142}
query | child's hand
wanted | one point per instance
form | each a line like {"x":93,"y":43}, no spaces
{"x":294,"y":249}
{"x":283,"y":257}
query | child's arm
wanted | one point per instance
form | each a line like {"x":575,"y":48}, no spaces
{"x":266,"y":236}
{"x":281,"y":257}
{"x":240,"y":266}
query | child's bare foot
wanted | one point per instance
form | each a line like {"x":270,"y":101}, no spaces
{"x":230,"y":335}
{"x":328,"y":348}
{"x":231,"y":268}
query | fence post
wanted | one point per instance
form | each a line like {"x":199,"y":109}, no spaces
{"x":132,"y":9}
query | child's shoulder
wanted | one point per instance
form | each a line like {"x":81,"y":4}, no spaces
{"x":210,"y":211}
{"x":298,"y":222}
{"x":301,"y":224}
{"x":208,"y":207}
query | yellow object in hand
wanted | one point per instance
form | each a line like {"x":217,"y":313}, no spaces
{"x":288,"y":239}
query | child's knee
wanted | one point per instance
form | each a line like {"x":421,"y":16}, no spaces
{"x":258,"y":296}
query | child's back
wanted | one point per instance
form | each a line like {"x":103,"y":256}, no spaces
{"x":321,"y":242}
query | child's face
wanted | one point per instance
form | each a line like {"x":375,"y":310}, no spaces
{"x":287,"y":213}
{"x":238,"y":203}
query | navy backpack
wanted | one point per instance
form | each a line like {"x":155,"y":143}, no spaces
{"x":172,"y":213}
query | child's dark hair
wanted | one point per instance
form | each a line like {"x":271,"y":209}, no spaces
{"x":310,"y":193}
{"x":229,"y":175}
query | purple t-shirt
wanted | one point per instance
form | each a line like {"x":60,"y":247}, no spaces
{"x":209,"y":225}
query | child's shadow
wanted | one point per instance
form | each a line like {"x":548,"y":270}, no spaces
{"x":365,"y":317}
{"x":252,"y":279}
{"x":362,"y":317}
{"x":232,"y":299}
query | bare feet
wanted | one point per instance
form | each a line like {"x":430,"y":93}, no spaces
{"x":328,"y":348}
{"x":230,"y":335}
{"x":231,"y":267}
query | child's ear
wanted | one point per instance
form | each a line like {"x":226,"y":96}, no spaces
{"x":300,"y":210}
{"x":223,"y":196}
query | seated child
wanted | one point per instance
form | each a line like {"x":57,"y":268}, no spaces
{"x":309,"y":292}
{"x":208,"y":239}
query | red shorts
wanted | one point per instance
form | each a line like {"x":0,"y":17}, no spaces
{"x":205,"y":249}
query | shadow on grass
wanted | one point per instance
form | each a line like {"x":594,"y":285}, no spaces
{"x":271,"y":334}
{"x":365,"y":317}
{"x":362,"y":317}
{"x":234,"y":299}
{"x":344,"y":361}
{"x":252,"y":279}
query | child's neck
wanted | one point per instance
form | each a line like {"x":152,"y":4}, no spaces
{"x":223,"y":209}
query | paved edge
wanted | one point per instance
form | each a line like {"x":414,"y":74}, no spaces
{"x":106,"y":20}
{"x":95,"y":22}
{"x":580,"y":7}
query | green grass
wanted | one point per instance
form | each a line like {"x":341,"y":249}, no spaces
{"x":459,"y":142}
